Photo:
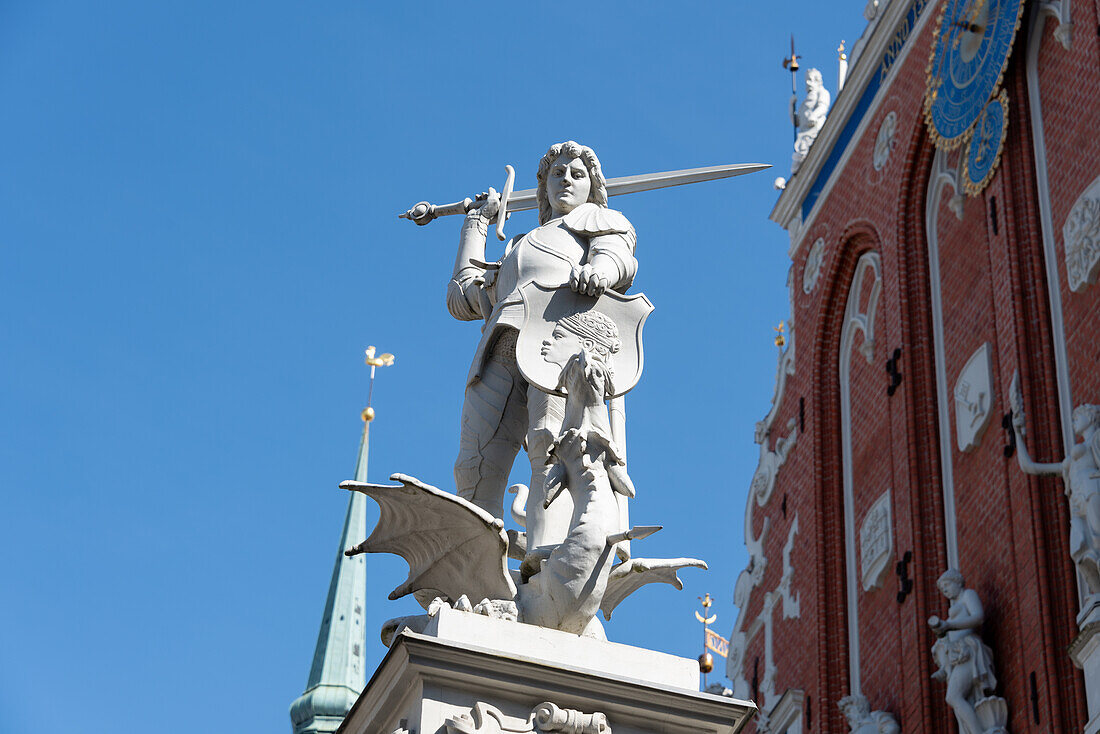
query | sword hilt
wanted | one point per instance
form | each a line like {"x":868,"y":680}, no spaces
{"x":424,"y":212}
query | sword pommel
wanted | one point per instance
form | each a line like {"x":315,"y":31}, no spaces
{"x":424,"y":212}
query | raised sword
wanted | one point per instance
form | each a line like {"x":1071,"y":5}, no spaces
{"x":517,"y":201}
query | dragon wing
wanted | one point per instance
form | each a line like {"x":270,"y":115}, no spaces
{"x":452,"y":546}
{"x":629,"y":576}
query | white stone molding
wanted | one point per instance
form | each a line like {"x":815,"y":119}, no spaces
{"x":876,"y":543}
{"x":1059,"y":10}
{"x":1046,"y":221}
{"x":786,"y":716}
{"x":740,"y":637}
{"x":862,"y":720}
{"x":767,"y":681}
{"x":884,"y":141}
{"x":546,"y":717}
{"x":974,"y":399}
{"x":753,"y":574}
{"x":792,"y":609}
{"x":811,"y":271}
{"x":763,"y":480}
{"x":868,"y":265}
{"x":1081,"y":237}
{"x":943,"y":175}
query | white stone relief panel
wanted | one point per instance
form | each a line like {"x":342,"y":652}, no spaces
{"x":876,"y":543}
{"x":1081,"y":235}
{"x":812,"y":271}
{"x":974,"y":399}
{"x":884,"y":141}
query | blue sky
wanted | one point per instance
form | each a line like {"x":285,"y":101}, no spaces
{"x":199,"y":237}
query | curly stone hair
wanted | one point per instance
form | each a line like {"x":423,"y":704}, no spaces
{"x":1091,"y":413}
{"x":598,"y":193}
{"x":950,"y":574}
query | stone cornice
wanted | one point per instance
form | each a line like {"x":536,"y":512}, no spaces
{"x":415,"y":660}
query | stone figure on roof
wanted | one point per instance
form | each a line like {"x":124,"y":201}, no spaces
{"x":809,"y":117}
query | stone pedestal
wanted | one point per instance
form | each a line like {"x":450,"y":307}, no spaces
{"x":1085,"y":653}
{"x":470,"y":674}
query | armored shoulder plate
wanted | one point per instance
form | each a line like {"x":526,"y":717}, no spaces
{"x":592,"y":220}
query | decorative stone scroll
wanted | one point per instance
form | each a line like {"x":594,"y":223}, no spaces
{"x":1081,"y":235}
{"x":812,"y":270}
{"x":876,"y":543}
{"x":546,"y":717}
{"x":884,"y":141}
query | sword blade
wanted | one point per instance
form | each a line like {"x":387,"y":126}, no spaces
{"x":523,"y":200}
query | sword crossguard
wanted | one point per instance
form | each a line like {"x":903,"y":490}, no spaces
{"x":502,"y":214}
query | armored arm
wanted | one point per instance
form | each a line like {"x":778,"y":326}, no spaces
{"x":611,"y":242}
{"x":612,"y":255}
{"x":465,"y":291}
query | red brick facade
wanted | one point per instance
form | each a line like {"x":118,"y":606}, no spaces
{"x":1012,"y":530}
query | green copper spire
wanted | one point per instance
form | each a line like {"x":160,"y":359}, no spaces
{"x":337,"y":676}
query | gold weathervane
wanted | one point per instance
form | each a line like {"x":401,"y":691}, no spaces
{"x":706,"y":660}
{"x":382,"y":360}
{"x":780,"y":340}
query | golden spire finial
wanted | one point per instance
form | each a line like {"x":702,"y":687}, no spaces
{"x":780,"y":340}
{"x":840,"y":50}
{"x":706,"y":660}
{"x":382,"y":360}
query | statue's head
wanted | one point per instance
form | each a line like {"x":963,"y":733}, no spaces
{"x":569,"y":175}
{"x":950,"y":583}
{"x":855,"y":709}
{"x":591,"y":331}
{"x":1084,"y":417}
{"x":813,"y":80}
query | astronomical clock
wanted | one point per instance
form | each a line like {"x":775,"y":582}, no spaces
{"x":963,"y":103}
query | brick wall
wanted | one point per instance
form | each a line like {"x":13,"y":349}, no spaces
{"x":1012,"y":529}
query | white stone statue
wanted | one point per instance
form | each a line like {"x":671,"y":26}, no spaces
{"x":579,"y":242}
{"x":809,"y":117}
{"x":965,"y":662}
{"x":862,"y":720}
{"x":1080,"y":472}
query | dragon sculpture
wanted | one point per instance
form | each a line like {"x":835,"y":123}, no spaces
{"x":457,"y":551}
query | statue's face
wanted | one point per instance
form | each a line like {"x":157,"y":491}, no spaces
{"x":561,"y":345}
{"x":1082,"y":419}
{"x":567,"y":184}
{"x":950,"y":588}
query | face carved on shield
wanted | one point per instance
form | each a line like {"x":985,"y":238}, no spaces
{"x":590,"y":331}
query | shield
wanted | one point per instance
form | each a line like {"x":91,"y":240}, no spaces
{"x":545,"y":306}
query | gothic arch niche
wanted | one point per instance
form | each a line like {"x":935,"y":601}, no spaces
{"x":849,"y":318}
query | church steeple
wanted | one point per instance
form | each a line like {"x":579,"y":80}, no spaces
{"x":337,"y":676}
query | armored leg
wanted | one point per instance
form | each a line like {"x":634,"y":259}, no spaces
{"x":494,"y":420}
{"x":545,"y":527}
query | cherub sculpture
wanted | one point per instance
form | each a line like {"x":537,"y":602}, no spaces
{"x":965,"y":662}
